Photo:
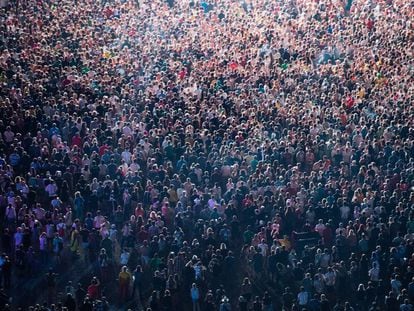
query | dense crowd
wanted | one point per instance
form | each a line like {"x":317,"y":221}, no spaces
{"x":207,"y":155}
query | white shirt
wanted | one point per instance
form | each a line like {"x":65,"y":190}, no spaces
{"x":127,"y":130}
{"x":303,"y":298}
{"x":345,"y":211}
{"x":330,"y":278}
{"x":320,"y":228}
{"x":374,"y":274}
{"x":43,"y":243}
{"x":8,"y":136}
{"x":18,"y":238}
{"x":126,"y":156}
{"x":134,"y":167}
{"x":124,"y":258}
{"x":396,"y":286}
{"x":211,"y":203}
{"x":51,"y":189}
{"x":10,"y":213}
{"x":98,"y":221}
{"x":263,"y":248}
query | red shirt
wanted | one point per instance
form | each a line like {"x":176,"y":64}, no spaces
{"x":93,"y":291}
{"x":102,"y":149}
{"x":343,"y":119}
{"x":139,"y":212}
{"x":108,"y":12}
{"x":142,"y":236}
{"x":182,"y":74}
{"x":349,"y":102}
{"x":233,"y":65}
{"x":370,"y":24}
{"x":76,"y":141}
{"x":327,"y":236}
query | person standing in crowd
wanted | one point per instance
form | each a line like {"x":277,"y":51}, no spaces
{"x":124,"y":279}
{"x":187,"y":131}
{"x":195,"y":297}
{"x":51,"y":283}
